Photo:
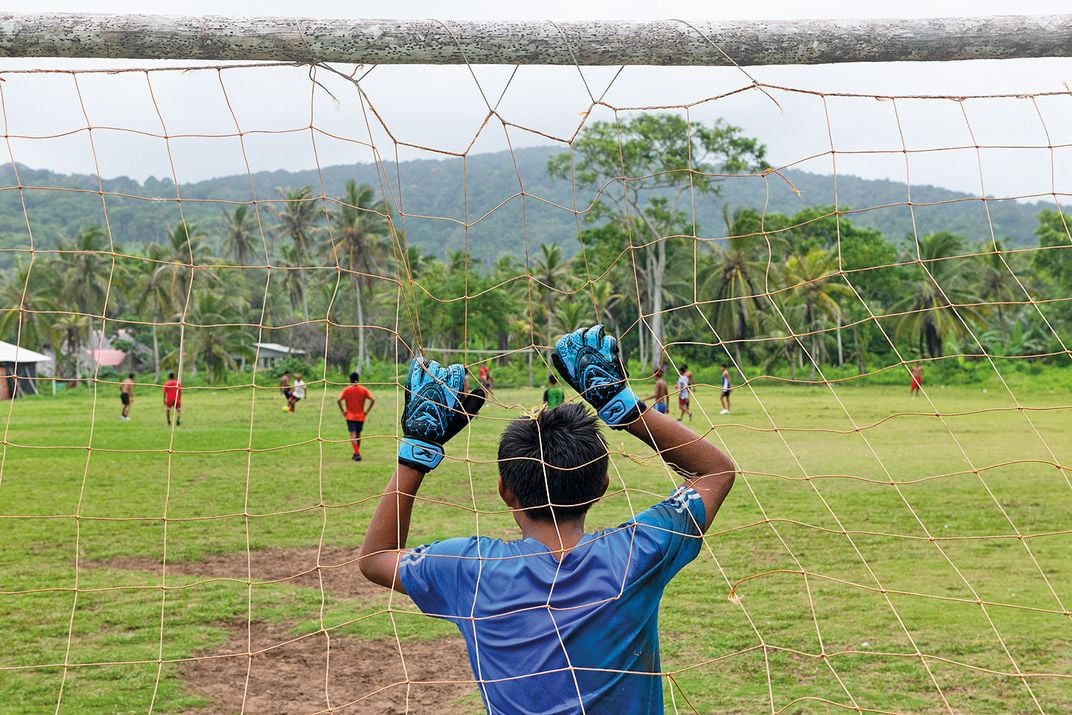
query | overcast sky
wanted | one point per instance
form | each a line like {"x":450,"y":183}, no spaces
{"x":441,"y":107}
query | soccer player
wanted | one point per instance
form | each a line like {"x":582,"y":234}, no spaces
{"x":297,"y":392}
{"x":724,"y":398}
{"x":552,"y":394}
{"x":917,"y":379}
{"x":126,"y":396}
{"x":486,"y":380}
{"x":173,"y":398}
{"x":284,"y":387}
{"x":355,"y":402}
{"x":562,"y":619}
{"x":684,"y":395}
{"x":661,"y":393}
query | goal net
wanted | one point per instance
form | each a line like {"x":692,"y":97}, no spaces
{"x":884,"y":279}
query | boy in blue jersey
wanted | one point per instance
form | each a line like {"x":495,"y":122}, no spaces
{"x":561,"y":620}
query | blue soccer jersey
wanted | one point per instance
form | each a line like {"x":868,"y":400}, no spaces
{"x":545,"y":636}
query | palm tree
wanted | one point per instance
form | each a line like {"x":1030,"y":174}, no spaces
{"x":550,"y":270}
{"x":153,"y":285}
{"x":82,"y":273}
{"x":782,"y":346}
{"x":185,"y":250}
{"x":83,"y":270}
{"x":417,"y":262}
{"x":73,"y":330}
{"x":606,"y":299}
{"x":27,"y":294}
{"x":736,"y":281}
{"x":298,"y":219}
{"x":939,"y":305}
{"x":572,"y":314}
{"x":1029,"y":336}
{"x":293,"y":283}
{"x":410,"y":268}
{"x":461,"y":262}
{"x":241,"y":241}
{"x":508,"y":275}
{"x":357,"y":245}
{"x":998,"y":283}
{"x":298,"y":222}
{"x":213,"y":340}
{"x":271,"y":307}
{"x":811,"y":283}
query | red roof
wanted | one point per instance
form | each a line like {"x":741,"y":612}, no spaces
{"x":108,"y":358}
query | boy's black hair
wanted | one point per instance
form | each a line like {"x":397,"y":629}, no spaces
{"x":552,"y":379}
{"x":171,"y":376}
{"x":131,"y":376}
{"x":683,"y":368}
{"x":570,"y":469}
{"x":354,"y":377}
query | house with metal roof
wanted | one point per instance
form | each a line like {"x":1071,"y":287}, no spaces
{"x":268,"y":354}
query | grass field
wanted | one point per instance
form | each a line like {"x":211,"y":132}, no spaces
{"x":875,"y":546}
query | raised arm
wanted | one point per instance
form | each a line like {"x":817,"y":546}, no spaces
{"x":705,"y":467}
{"x":385,"y":540}
{"x":436,"y":409}
{"x":589,"y":361}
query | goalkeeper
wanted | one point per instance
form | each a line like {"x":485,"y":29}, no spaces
{"x":561,"y":620}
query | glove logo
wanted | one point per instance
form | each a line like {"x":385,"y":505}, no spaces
{"x":424,"y":453}
{"x":614,"y":411}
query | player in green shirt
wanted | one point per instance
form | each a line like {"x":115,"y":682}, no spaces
{"x":553,"y":395}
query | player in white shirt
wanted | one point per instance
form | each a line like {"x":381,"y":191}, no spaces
{"x":684,"y":394}
{"x":297,"y":391}
{"x":724,"y":398}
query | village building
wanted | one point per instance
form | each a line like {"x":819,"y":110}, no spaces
{"x":268,"y":354}
{"x":18,"y":370}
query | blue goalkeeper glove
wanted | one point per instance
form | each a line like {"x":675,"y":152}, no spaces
{"x":589,"y":361}
{"x":436,"y":409}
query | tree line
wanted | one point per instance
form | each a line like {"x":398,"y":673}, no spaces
{"x":336,"y":277}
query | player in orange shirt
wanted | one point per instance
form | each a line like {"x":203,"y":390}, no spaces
{"x":173,"y":399}
{"x":352,"y":404}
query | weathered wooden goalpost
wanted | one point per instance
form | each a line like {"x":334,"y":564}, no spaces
{"x":664,"y":42}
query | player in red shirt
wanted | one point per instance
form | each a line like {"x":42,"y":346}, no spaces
{"x":173,"y":398}
{"x":352,"y":404}
{"x":917,"y":379}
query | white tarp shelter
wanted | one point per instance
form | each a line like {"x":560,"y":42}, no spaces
{"x":18,"y":370}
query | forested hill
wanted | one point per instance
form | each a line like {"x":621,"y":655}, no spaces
{"x":482,"y":190}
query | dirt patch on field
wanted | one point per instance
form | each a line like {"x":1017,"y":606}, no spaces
{"x":264,"y":668}
{"x":338,"y":570}
{"x":355,"y":676}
